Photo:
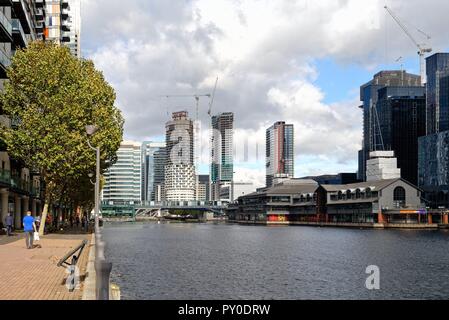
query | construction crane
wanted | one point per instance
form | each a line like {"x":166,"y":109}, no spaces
{"x":211,"y":103}
{"x":197,"y":99}
{"x":422,"y":49}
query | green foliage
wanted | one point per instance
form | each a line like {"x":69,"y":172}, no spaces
{"x":53,"y":96}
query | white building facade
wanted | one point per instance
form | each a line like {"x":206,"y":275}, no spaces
{"x":123,"y":180}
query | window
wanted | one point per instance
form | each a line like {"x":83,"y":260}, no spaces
{"x":399,"y":195}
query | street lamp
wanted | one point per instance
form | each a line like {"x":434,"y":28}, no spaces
{"x":102,"y":267}
{"x":90,"y":130}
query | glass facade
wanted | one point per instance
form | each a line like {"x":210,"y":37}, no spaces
{"x":437,"y":93}
{"x":433,"y":171}
{"x":369,"y":97}
{"x":402,"y":120}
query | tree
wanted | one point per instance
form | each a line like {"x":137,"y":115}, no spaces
{"x":53,"y":96}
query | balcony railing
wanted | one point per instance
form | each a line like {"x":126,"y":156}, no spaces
{"x":19,"y":184}
{"x":5,"y":61}
{"x":17,"y":27}
{"x":6,"y":23}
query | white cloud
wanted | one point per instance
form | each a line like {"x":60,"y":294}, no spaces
{"x":263,"y":53}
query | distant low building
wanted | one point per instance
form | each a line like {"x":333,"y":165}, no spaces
{"x":305,"y":201}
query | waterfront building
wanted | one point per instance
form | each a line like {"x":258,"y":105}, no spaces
{"x":401,"y":114}
{"x":123,"y":181}
{"x":437,"y":67}
{"x":63,"y":24}
{"x":152,"y":170}
{"x":369,"y":96}
{"x":222,"y":157}
{"x":300,"y":201}
{"x":433,"y":172}
{"x":21,"y":189}
{"x":180,"y":177}
{"x":280,"y":155}
{"x":291,"y":200}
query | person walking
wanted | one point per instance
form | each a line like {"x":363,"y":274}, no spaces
{"x":29,"y":227}
{"x":9,"y":222}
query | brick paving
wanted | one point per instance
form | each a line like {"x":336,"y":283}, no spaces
{"x":34,"y":274}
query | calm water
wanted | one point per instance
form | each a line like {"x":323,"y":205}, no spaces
{"x":206,"y":261}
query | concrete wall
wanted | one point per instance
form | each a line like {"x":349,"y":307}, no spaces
{"x":411,"y":193}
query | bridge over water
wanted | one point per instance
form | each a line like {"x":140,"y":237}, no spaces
{"x":158,"y":209}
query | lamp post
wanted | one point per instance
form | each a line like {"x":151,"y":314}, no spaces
{"x":102,"y":267}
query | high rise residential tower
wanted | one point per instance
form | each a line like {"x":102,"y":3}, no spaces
{"x":123,"y":180}
{"x":180,"y":177}
{"x":222,"y":157}
{"x":280,"y":157}
{"x":63,"y":23}
{"x":21,"y":21}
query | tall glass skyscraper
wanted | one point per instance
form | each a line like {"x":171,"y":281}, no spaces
{"x":369,"y":96}
{"x":437,"y":93}
{"x":280,"y":157}
{"x":222,"y":157}
{"x":151,"y":174}
{"x":402,"y":120}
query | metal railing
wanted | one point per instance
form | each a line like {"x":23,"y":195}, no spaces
{"x":6,"y":22}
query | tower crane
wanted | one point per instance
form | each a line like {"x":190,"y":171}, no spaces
{"x":422,"y":49}
{"x":197,"y":99}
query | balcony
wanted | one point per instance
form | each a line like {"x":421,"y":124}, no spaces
{"x":19,"y":185}
{"x":5,"y":28}
{"x":5,"y":62}
{"x":19,"y":35}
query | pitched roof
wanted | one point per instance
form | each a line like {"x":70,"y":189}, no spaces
{"x":374,"y":185}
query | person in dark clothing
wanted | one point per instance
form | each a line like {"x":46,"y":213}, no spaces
{"x":9,"y":222}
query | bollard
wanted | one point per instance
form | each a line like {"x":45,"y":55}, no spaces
{"x":103,"y":271}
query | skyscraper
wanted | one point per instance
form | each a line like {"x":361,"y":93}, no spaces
{"x":437,"y":93}
{"x":222,"y":157}
{"x":63,"y":23}
{"x":180,"y":178}
{"x":369,"y":97}
{"x":149,"y":173}
{"x":434,"y":148}
{"x":280,"y":157}
{"x":160,"y":161}
{"x":401,"y":112}
{"x":123,"y":180}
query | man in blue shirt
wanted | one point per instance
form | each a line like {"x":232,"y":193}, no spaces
{"x":29,"y":227}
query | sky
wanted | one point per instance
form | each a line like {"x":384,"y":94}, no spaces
{"x":297,"y":61}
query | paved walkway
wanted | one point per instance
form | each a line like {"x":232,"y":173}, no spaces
{"x":34,"y":274}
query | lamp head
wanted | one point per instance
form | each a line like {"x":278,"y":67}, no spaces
{"x":90,"y":175}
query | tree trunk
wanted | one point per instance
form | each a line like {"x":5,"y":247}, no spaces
{"x":43,"y":219}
